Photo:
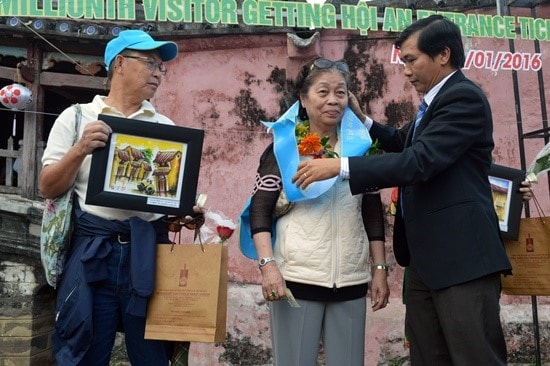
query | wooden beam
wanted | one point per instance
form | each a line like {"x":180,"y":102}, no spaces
{"x":55,"y":79}
{"x":7,"y":72}
{"x":32,"y":128}
{"x":10,"y":190}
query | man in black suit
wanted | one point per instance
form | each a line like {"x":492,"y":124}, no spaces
{"x":446,"y":229}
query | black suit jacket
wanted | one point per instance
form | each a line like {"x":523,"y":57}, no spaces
{"x":446,"y":228}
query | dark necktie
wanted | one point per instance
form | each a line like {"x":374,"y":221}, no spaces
{"x":421,"y":110}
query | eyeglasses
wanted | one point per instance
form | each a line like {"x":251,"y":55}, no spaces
{"x":323,"y":63}
{"x":152,"y":64}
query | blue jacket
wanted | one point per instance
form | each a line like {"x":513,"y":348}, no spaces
{"x":86,"y":265}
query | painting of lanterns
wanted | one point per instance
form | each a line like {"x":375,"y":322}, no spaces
{"x":507,"y":199}
{"x":143,"y":166}
{"x":501,"y":199}
{"x":146,"y":167}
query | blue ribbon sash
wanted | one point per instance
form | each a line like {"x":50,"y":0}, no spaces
{"x":354,"y":140}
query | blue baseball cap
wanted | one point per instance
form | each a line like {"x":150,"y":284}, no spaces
{"x":140,"y":41}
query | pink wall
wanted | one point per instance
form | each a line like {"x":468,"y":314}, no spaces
{"x":226,"y":85}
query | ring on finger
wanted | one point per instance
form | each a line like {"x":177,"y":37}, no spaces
{"x":273,"y":294}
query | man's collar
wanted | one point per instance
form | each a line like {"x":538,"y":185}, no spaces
{"x":99,"y":103}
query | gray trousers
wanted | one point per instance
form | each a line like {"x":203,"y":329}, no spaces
{"x":296,"y":332}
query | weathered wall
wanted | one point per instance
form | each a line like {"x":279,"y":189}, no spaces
{"x":26,"y":301}
{"x":26,"y":311}
{"x":226,"y":85}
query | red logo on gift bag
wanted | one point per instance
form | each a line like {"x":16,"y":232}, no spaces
{"x":529,"y":245}
{"x":184,"y":276}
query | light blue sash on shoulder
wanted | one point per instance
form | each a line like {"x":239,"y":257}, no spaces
{"x":354,"y":140}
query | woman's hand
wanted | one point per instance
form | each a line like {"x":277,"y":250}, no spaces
{"x":273,"y":283}
{"x":380,"y":291}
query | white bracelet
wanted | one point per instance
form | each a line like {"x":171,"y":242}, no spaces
{"x":263,"y":261}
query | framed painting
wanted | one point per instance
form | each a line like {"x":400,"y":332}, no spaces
{"x":146,"y":167}
{"x":507,"y":198}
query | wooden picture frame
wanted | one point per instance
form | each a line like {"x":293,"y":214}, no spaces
{"x":146,"y":166}
{"x":507,"y":198}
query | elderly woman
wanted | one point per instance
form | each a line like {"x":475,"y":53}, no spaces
{"x":329,"y":246}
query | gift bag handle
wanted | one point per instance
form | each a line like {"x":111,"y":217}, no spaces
{"x":538,"y":207}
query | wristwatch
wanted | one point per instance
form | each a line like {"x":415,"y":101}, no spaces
{"x":264,"y":261}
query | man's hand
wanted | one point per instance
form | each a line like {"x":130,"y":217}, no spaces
{"x":94,"y":136}
{"x":353,"y":103}
{"x":315,"y":170}
{"x":526,"y":191}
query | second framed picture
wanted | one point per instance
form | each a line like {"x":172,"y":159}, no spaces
{"x":146,"y":167}
{"x":507,"y":198}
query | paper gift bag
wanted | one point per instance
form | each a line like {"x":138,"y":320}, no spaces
{"x":189,"y":302}
{"x":530,"y":258}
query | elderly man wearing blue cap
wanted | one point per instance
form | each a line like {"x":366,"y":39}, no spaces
{"x":108,"y":275}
